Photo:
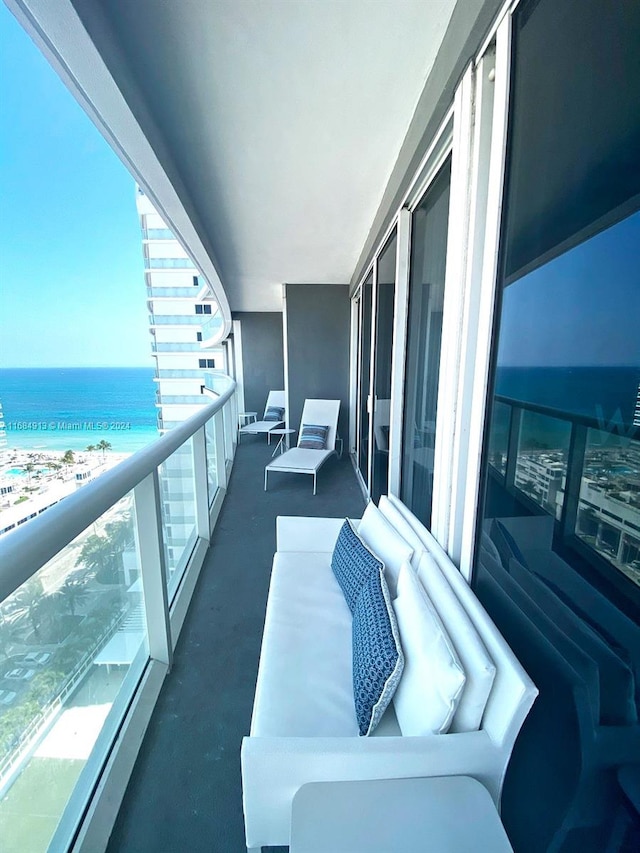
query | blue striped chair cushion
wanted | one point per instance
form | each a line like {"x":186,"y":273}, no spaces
{"x":314,"y":437}
{"x":274,"y":413}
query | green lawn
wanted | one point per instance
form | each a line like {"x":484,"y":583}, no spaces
{"x":31,"y":810}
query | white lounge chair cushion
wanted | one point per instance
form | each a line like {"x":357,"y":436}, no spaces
{"x":476,"y":661}
{"x":385,"y":542}
{"x":305,"y":686}
{"x":300,"y":459}
{"x":431,"y":685}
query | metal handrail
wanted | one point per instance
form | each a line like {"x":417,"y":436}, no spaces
{"x":562,"y":415}
{"x":27,"y":548}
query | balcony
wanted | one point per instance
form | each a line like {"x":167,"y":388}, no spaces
{"x":175,"y":320}
{"x":168,"y":264}
{"x":185,"y":292}
{"x":175,"y":347}
{"x":170,"y":373}
{"x":118,"y":563}
{"x":157,"y":234}
{"x":583,"y":472}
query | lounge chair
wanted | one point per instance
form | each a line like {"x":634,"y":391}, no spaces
{"x":270,"y":420}
{"x":304,"y":459}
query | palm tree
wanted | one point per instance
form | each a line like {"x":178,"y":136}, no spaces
{"x":28,"y":469}
{"x":104,"y":446}
{"x":99,"y":555}
{"x":90,"y":448}
{"x":120,"y":533}
{"x":73,"y":592}
{"x":68,"y":458}
{"x":27,"y":604}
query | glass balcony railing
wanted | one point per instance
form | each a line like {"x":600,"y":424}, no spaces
{"x":185,"y":292}
{"x":91,"y":593}
{"x":176,"y":347}
{"x":171,"y":373}
{"x":157,"y":234}
{"x":181,"y":399}
{"x":211,"y":328}
{"x":176,"y":319}
{"x":169,"y":264}
{"x":582,"y":472}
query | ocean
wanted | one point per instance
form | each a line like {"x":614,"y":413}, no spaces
{"x":607,"y":394}
{"x":68,"y":408}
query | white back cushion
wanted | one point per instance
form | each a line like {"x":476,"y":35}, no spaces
{"x":385,"y":542}
{"x":433,"y":678}
{"x":478,"y":666}
{"x":399,"y":523}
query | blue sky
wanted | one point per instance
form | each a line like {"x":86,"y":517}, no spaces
{"x":71,"y":273}
{"x":580,"y":309}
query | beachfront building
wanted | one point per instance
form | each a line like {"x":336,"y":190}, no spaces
{"x":185,"y":331}
{"x":430,"y":212}
{"x":184,"y":322}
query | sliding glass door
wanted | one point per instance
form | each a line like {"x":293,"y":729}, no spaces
{"x":385,"y":295}
{"x":364,"y":378}
{"x":424,"y":339}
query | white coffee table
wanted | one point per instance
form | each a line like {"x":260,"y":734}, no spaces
{"x":445,"y":814}
{"x":245,"y":418}
{"x":282,"y":433}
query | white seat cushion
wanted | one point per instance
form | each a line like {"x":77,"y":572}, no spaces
{"x":478,"y":666}
{"x":300,"y":459}
{"x":305,"y":686}
{"x":433,"y":678}
{"x":385,"y":542}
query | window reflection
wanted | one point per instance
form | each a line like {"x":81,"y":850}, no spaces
{"x":499,"y":437}
{"x":608,"y":518}
{"x":541,"y":465}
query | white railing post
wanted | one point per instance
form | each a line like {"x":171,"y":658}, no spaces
{"x":229,"y":431}
{"x":146,"y":496}
{"x":201,"y":477}
{"x":221,"y":464}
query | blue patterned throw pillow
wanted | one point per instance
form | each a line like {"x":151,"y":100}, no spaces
{"x":353,"y":563}
{"x":314,"y":437}
{"x":274,"y":413}
{"x":377,"y":655}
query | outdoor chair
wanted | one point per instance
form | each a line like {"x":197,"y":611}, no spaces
{"x":273,"y":417}
{"x":316,"y":441}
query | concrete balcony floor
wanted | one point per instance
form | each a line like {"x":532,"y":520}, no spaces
{"x":185,"y":793}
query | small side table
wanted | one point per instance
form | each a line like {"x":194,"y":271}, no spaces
{"x":280,"y":445}
{"x":440,"y":814}
{"x":246,"y":418}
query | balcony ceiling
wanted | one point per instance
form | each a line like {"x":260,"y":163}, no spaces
{"x":278,"y":122}
{"x":265,"y":130}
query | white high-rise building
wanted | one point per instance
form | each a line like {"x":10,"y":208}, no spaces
{"x":183,"y":320}
{"x":185,"y":326}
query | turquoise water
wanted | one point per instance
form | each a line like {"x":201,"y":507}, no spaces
{"x":20,"y":472}
{"x":70,"y":408}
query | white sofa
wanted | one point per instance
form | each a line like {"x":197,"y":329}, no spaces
{"x":304,"y":727}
